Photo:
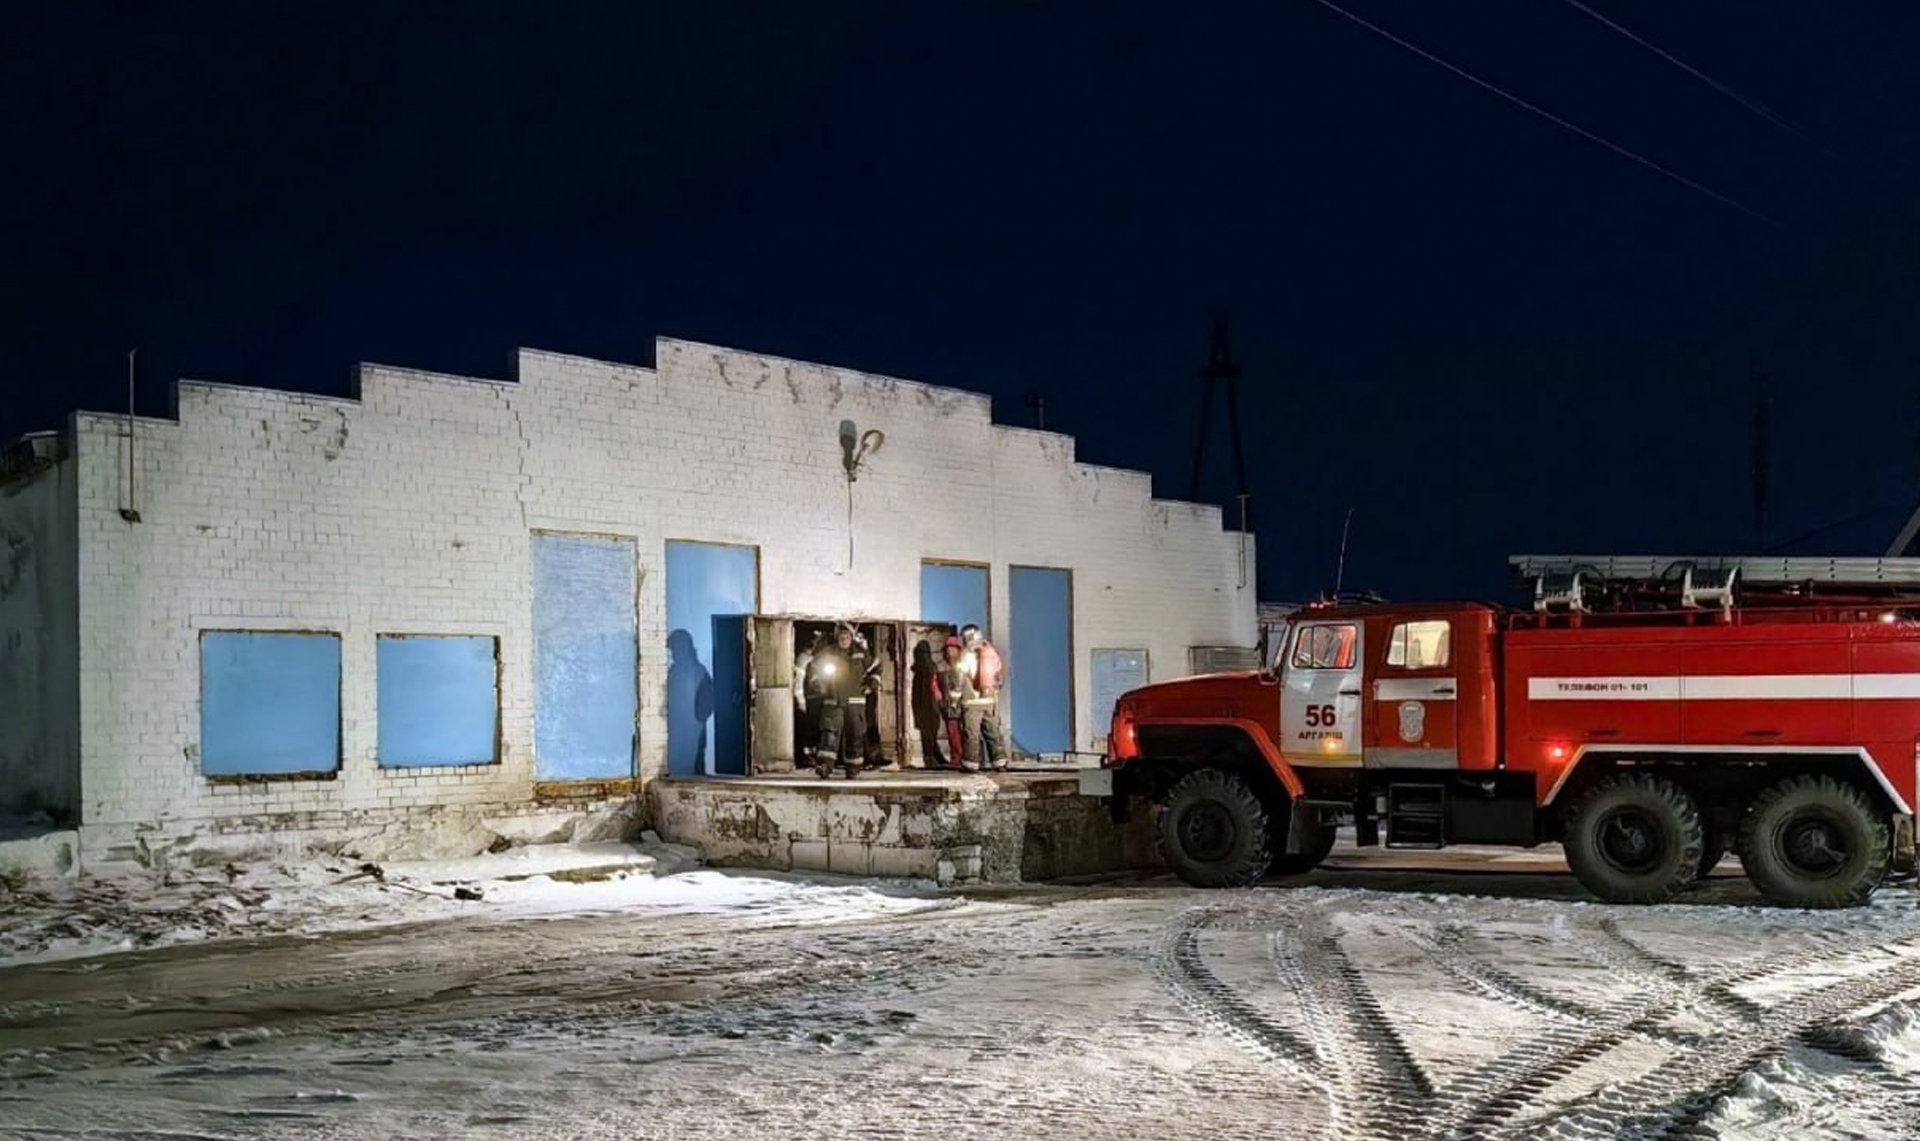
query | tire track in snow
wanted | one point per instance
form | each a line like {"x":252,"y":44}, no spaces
{"x":1675,"y":1099}
{"x":1180,"y":965}
{"x":1560,"y":1053}
{"x":1376,"y":1083}
{"x":1376,"y":1086}
{"x":1448,"y":950}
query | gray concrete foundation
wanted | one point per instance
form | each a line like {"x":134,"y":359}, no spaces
{"x":953,"y":828}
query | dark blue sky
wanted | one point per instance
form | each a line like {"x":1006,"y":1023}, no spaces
{"x":1482,"y":333}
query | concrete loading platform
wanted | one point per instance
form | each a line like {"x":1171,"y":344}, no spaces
{"x":949,"y":827}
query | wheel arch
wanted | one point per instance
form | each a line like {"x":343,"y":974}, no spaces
{"x":1170,"y":748}
{"x":1730,"y":772}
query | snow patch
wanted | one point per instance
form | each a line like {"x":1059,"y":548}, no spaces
{"x":1815,"y":1093}
{"x":47,"y":920}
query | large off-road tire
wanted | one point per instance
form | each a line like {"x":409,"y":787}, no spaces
{"x":1214,"y":830}
{"x":1814,"y":841}
{"x":1635,"y":838}
{"x":1314,"y":846}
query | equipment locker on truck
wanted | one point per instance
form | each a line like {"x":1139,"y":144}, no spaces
{"x":1649,"y":714}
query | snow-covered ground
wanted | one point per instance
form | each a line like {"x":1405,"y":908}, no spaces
{"x":45,"y":920}
{"x":1421,"y":1002}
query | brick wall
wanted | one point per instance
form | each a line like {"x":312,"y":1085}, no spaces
{"x":409,"y":509}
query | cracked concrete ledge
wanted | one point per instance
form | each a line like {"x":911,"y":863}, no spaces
{"x":953,"y":830}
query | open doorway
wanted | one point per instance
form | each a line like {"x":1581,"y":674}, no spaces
{"x":877,"y":646}
{"x":785,"y":689}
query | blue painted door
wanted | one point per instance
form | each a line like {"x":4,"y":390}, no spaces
{"x":731,"y":697}
{"x":706,"y":704}
{"x":1040,"y":658}
{"x":956,"y":595}
{"x":585,"y":657}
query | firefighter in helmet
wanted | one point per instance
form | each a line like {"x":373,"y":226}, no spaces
{"x":840,"y":670}
{"x":986,"y":740}
{"x":955,"y":688}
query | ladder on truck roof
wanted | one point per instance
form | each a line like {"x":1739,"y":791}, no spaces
{"x":1571,"y":582}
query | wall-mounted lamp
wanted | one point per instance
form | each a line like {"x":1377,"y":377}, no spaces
{"x":855,"y":450}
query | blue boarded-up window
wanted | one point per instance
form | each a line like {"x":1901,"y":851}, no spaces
{"x":955,"y":593}
{"x":584,"y":657}
{"x":269,"y":703}
{"x":439,"y":700}
{"x":1114,"y":673}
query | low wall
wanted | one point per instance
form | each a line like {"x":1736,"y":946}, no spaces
{"x":950,"y":829}
{"x":422,"y":833}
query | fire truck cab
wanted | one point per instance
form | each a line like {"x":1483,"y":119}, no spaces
{"x":1648,"y":714}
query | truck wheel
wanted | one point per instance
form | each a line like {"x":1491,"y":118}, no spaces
{"x":1814,"y":841}
{"x":1635,"y":838}
{"x":1315,"y":845}
{"x":1214,"y":830}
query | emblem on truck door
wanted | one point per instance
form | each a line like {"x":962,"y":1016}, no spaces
{"x":1413,"y":721}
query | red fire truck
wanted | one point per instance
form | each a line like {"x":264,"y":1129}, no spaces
{"x":1649,"y":714}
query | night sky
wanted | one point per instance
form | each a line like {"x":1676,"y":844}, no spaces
{"x":1482,"y":333}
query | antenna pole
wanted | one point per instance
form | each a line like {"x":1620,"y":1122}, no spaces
{"x":130,"y":512}
{"x":1220,"y":372}
{"x":1340,"y":570}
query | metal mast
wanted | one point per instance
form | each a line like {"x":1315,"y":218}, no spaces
{"x":1220,"y":371}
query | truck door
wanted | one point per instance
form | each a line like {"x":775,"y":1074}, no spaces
{"x":1415,"y":702}
{"x":1320,"y":697}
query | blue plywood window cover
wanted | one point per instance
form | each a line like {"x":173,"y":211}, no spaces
{"x":706,"y":708}
{"x":439,"y":700}
{"x":953,"y":593}
{"x":269,"y":703}
{"x":585,"y":657}
{"x":1114,"y":673}
{"x":1040,"y":659}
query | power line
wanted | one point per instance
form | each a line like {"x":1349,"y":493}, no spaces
{"x":1752,"y":105}
{"x":1616,"y":148}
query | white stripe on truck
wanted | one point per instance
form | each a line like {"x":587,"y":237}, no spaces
{"x":1729,"y":687}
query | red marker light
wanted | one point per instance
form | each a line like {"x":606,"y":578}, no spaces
{"x":1558,"y":752}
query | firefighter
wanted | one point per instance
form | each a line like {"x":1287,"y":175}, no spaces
{"x":955,"y":683}
{"x":929,"y":711}
{"x":840,"y":670}
{"x":988,"y":673}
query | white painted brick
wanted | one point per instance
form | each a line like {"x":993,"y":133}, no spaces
{"x":265,"y":509}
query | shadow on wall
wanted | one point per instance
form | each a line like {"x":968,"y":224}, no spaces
{"x":689,"y":705}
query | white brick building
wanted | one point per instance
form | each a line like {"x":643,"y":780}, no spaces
{"x":421,"y":506}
